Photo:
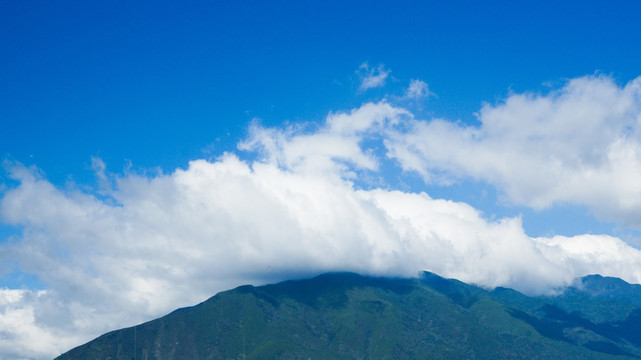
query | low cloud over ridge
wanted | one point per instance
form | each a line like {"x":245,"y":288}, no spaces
{"x":296,"y":210}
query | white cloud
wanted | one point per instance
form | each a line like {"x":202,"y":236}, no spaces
{"x":26,"y":329}
{"x":418,"y":89}
{"x":172,"y":240}
{"x":335,"y":147}
{"x":580,"y":144}
{"x":372,"y":77}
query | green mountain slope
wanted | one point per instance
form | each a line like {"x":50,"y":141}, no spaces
{"x":348,"y":316}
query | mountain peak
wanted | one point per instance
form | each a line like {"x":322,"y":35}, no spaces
{"x":347,"y":315}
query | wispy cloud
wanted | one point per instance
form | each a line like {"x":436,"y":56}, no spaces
{"x":372,"y":77}
{"x":418,"y":89}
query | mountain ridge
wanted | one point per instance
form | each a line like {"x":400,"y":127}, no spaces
{"x":350,"y":316}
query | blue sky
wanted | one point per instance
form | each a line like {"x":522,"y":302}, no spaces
{"x":103,"y":103}
{"x":157,"y":86}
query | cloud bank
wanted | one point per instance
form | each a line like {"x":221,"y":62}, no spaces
{"x":153,"y":243}
{"x":580,"y":144}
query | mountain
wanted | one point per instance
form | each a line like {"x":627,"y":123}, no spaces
{"x":349,"y":316}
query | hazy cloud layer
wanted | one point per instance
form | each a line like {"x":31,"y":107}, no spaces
{"x":154,"y":243}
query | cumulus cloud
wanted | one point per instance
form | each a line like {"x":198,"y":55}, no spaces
{"x":580,"y":144}
{"x":168,"y":240}
{"x":333,"y":148}
{"x":27,"y":329}
{"x":372,"y":77}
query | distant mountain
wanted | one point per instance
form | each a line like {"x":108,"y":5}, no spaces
{"x":348,"y":316}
